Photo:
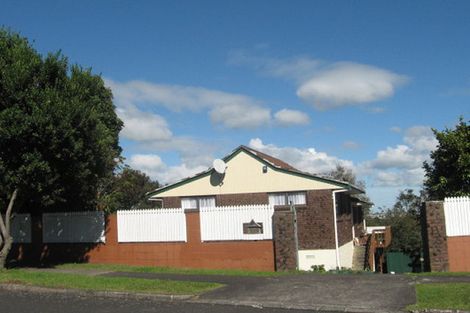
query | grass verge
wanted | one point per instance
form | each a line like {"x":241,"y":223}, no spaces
{"x":151,"y":269}
{"x":98,"y":283}
{"x":440,"y":274}
{"x":446,"y":296}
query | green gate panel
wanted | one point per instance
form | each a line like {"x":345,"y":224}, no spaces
{"x":399,"y":262}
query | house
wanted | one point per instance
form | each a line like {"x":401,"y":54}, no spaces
{"x":252,"y":211}
{"x":315,"y":219}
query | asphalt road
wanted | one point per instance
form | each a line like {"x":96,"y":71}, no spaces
{"x":43,"y":302}
{"x":341,"y":292}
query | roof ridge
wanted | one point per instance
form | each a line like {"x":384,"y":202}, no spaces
{"x":269,"y":158}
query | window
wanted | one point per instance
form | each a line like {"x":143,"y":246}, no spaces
{"x":297,"y":198}
{"x":198,"y":202}
{"x":206,"y":202}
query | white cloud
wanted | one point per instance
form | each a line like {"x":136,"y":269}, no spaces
{"x":191,"y":151}
{"x":228,"y":109}
{"x":421,"y":138}
{"x":143,"y":126}
{"x":327,"y":85}
{"x":286,"y":117}
{"x":400,"y":156}
{"x":408,"y":178}
{"x":307,"y":160}
{"x":347,"y":83}
{"x":240,"y":116}
{"x":402,"y":165}
{"x":152,"y":165}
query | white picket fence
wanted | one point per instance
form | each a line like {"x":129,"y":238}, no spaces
{"x":73,"y":227}
{"x":226,"y":223}
{"x":156,"y":225}
{"x":457,"y":216}
{"x":21,"y":228}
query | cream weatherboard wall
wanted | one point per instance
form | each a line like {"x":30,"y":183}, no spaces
{"x":326,"y":257}
{"x":244,"y":174}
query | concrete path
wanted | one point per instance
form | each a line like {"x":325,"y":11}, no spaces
{"x":342,"y":292}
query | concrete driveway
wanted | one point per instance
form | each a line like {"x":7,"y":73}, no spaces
{"x":329,"y":292}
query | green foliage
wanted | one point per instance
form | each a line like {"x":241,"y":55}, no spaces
{"x":58,"y":129}
{"x":448,"y":174}
{"x":126,"y":190}
{"x":404,"y":220}
{"x":347,"y":175}
{"x":318,"y":268}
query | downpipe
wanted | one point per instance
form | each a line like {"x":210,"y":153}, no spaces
{"x":338,"y":263}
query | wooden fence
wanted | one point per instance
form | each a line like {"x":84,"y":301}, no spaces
{"x":73,"y":227}
{"x":156,"y":225}
{"x":248,"y":222}
{"x":21,"y":228}
{"x":457,"y":216}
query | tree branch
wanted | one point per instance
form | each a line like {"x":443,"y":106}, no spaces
{"x":9,"y":210}
{"x":5,"y":225}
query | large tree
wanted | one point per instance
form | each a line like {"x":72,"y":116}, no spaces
{"x":126,"y":190}
{"x":58,"y":133}
{"x":448,"y":173}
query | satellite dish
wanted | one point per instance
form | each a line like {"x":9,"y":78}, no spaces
{"x":219,"y":166}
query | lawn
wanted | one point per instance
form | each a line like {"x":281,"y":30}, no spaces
{"x":98,"y":283}
{"x":440,"y":274}
{"x":152,"y":269}
{"x":451,"y":296}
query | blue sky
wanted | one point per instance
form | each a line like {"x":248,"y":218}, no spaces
{"x":315,"y":83}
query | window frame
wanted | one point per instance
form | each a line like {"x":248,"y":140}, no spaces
{"x":286,"y":197}
{"x":198,"y":201}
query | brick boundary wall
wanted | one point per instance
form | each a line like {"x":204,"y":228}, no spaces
{"x":435,"y":239}
{"x":458,"y":248}
{"x":249,"y":255}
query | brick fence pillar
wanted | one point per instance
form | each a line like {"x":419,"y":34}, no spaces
{"x":284,"y":240}
{"x":435,"y":239}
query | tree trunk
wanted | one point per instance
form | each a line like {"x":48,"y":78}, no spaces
{"x":5,"y":231}
{"x":5,"y":250}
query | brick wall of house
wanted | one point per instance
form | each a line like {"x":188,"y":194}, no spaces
{"x":250,"y":255}
{"x":172,"y":202}
{"x":344,"y":218}
{"x":242,"y":199}
{"x":315,"y":221}
{"x":358,"y":220}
